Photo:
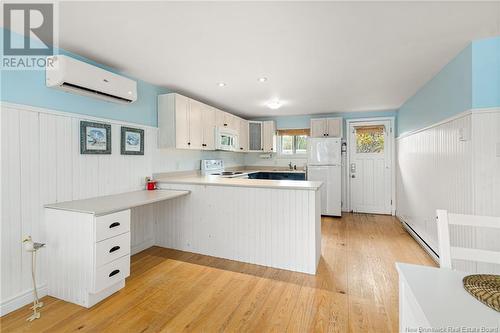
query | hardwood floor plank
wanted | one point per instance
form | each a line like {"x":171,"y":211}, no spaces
{"x":355,"y":289}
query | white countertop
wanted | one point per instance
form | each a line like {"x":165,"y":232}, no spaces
{"x":241,"y":182}
{"x":442,"y":298}
{"x":116,"y":202}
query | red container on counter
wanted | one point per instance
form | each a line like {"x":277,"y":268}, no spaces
{"x":151,"y":185}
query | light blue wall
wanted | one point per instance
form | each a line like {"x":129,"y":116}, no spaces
{"x":287,"y":122}
{"x":28,"y":87}
{"x":448,"y":93}
{"x":486,"y":73}
{"x":470,"y":80}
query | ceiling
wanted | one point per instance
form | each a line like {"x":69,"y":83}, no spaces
{"x":319,"y":57}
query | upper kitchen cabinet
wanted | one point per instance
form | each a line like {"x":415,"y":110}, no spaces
{"x":326,"y":127}
{"x":255,"y":136}
{"x":268,"y":136}
{"x":185,"y":123}
{"x":261,"y":136}
{"x":225,"y":119}
{"x":243,"y":137}
{"x":208,"y":125}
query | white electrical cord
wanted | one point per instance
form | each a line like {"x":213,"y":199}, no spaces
{"x":33,"y":247}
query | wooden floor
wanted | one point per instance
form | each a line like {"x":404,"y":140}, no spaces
{"x":355,"y":290}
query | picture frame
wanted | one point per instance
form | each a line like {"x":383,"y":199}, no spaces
{"x":132,"y":141}
{"x":95,"y":138}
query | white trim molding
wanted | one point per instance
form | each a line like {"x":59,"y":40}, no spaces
{"x":447,"y":120}
{"x":25,"y":107}
{"x":21,"y":299}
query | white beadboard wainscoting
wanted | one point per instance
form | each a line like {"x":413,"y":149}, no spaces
{"x":41,"y":163}
{"x":273,"y":227}
{"x":453,"y":165}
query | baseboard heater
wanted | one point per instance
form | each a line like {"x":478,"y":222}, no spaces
{"x":420,"y":240}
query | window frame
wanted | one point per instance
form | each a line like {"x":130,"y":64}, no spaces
{"x":294,"y":148}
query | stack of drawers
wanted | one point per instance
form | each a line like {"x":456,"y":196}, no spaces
{"x":112,"y":249}
{"x":88,"y":255}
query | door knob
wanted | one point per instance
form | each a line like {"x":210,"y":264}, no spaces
{"x":353,"y":176}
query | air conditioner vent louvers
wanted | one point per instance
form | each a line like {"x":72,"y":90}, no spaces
{"x":74,"y":86}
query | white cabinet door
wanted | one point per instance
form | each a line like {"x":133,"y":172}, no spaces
{"x":318,"y":128}
{"x":208,"y":124}
{"x":231,"y":122}
{"x":195,"y":125}
{"x":255,"y":136}
{"x":334,"y":127}
{"x":219,"y":117}
{"x":181,"y":122}
{"x":243,"y":138}
{"x":268,"y":130}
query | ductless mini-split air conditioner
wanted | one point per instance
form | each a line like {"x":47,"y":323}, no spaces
{"x":71,"y":75}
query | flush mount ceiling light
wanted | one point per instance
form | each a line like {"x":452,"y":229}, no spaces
{"x":221,"y":84}
{"x":274,"y":104}
{"x":262,"y":79}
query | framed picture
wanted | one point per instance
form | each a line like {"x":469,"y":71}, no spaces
{"x":95,"y":138}
{"x":132,"y":141}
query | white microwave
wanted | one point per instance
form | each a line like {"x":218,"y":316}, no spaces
{"x":226,"y":139}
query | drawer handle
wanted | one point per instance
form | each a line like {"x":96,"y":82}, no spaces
{"x":114,"y":224}
{"x":114,"y":248}
{"x":116,"y":271}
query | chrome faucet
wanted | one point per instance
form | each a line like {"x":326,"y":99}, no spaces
{"x":290,"y":166}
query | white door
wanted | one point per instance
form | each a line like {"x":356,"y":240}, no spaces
{"x":181,"y":122}
{"x":208,"y":124}
{"x":243,"y":138}
{"x":323,"y":151}
{"x":370,"y":162}
{"x":334,"y":127}
{"x":318,"y":128}
{"x":330,"y":191}
{"x":195,"y":125}
{"x":268,"y":130}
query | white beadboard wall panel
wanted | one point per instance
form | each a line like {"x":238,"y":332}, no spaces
{"x":486,"y":178}
{"x":270,"y":227}
{"x":454,"y":166}
{"x":434,"y":171}
{"x":41,"y":163}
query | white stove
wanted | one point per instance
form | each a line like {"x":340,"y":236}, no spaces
{"x":216,"y":168}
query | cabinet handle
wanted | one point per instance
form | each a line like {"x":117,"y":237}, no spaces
{"x":189,"y":143}
{"x":271,"y":148}
{"x":203,"y":145}
{"x":241,"y":148}
{"x":114,"y":248}
{"x":324,"y":134}
{"x":116,"y":271}
{"x":114,"y":224}
{"x":225,"y":124}
{"x":327,"y":134}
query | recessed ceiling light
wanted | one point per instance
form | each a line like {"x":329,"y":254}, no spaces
{"x":262,"y":79}
{"x":221,"y":84}
{"x":274,"y":104}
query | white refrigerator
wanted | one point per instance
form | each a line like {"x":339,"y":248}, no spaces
{"x":324,"y":164}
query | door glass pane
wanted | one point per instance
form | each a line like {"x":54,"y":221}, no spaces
{"x":287,"y":144}
{"x":370,"y":139}
{"x":255,"y":136}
